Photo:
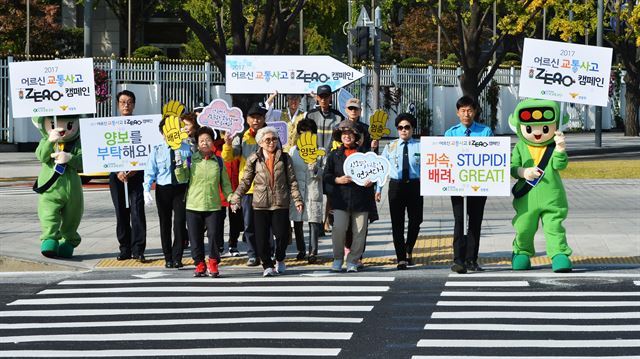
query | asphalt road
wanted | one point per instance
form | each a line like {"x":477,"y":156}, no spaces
{"x":425,"y":313}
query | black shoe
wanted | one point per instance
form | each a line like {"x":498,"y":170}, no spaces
{"x":300,"y":255}
{"x":459,"y":268}
{"x":402,"y":265}
{"x":178,"y":265}
{"x":168,"y":264}
{"x":312,"y":259}
{"x":123,"y":257}
{"x":473,"y":266}
{"x":140,"y":258}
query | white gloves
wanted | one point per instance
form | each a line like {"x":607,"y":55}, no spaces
{"x":148,"y":199}
{"x":54,"y":135}
{"x":178,"y":158}
{"x":561,"y":146}
{"x":529,"y":173}
{"x":61,"y":157}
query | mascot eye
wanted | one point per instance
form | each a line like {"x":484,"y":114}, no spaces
{"x":69,"y":126}
{"x":53,"y":125}
{"x":529,"y":129}
{"x":545,"y":129}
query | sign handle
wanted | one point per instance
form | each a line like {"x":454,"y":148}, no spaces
{"x":126,"y":191}
{"x":464,"y":215}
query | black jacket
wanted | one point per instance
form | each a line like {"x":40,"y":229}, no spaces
{"x":347,"y":197}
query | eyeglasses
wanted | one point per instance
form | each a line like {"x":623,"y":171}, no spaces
{"x":405,"y":127}
{"x":270,"y":140}
{"x":353,"y":108}
{"x":128,"y":103}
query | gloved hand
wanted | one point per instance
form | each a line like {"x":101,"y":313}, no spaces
{"x":172,"y":108}
{"x":378,"y":125}
{"x":308,"y":146}
{"x":172,"y":132}
{"x":54,"y":135}
{"x":235,"y":207}
{"x":148,"y":199}
{"x":561,"y":146}
{"x":529,"y":173}
{"x":61,"y":157}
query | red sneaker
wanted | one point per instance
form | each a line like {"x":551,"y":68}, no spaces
{"x":213,"y":267}
{"x":201,"y":270}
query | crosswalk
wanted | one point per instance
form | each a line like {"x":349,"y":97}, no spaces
{"x":27,"y":190}
{"x":512,"y":315}
{"x":297,"y":316}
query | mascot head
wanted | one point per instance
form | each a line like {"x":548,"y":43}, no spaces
{"x":536,"y":121}
{"x":68,"y":126}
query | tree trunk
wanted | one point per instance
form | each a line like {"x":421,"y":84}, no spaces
{"x":632,"y":97}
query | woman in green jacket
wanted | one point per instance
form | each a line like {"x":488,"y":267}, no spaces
{"x":205,"y":173}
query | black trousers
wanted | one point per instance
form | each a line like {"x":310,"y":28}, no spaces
{"x":170,"y":200}
{"x":465,"y":248}
{"x":131,"y":223}
{"x":405,"y":197}
{"x":271,"y":221}
{"x":196,"y":222}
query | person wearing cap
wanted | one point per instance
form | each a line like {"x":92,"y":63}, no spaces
{"x":324,"y":116}
{"x":353,"y":109}
{"x":291,"y":115}
{"x":351,"y":202}
{"x":327,"y":119}
{"x":404,"y":188}
{"x":465,"y":248}
{"x":241,"y":147}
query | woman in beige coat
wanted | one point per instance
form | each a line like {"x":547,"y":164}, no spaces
{"x":274,"y":186}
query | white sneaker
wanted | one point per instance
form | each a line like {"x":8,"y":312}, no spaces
{"x":269,"y":272}
{"x":352,"y":268}
{"x":337,"y":265}
{"x":280,"y":267}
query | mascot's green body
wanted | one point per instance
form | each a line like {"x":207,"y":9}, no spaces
{"x":61,"y":203}
{"x":539,"y":194}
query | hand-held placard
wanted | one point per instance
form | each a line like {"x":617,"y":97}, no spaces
{"x":378,"y":125}
{"x":172,"y":132}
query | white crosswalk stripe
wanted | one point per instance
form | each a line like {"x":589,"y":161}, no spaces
{"x":502,"y":319}
{"x":25,"y":190}
{"x":284,"y":316}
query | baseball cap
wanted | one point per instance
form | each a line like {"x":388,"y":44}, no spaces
{"x":324,"y":90}
{"x":257,"y":108}
{"x":353,"y":102}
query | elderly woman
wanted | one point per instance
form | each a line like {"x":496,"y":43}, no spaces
{"x":351,"y":202}
{"x":274,"y":185}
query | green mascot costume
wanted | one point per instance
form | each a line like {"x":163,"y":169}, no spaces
{"x":539,"y":194}
{"x":61,"y":203}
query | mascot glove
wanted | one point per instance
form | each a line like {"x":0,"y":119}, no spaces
{"x":561,"y":146}
{"x":61,"y":157}
{"x":529,"y":173}
{"x":148,"y":199}
{"x":54,"y":135}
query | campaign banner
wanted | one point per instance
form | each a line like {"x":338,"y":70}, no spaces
{"x":286,"y":74}
{"x":113,"y":144}
{"x":366,"y":166}
{"x":283,"y":130}
{"x":465,"y":166}
{"x":565,"y":72}
{"x":52,"y":87}
{"x":220,"y":116}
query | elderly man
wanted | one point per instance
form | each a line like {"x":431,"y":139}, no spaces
{"x":291,"y":115}
{"x":324,"y":116}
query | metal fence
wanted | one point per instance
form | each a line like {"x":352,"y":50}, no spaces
{"x":193,"y":82}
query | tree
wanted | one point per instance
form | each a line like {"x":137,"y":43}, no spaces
{"x":474,"y":47}
{"x":622,"y":21}
{"x":254,"y":27}
{"x":46,"y":36}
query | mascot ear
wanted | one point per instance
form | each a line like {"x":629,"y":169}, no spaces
{"x":39,"y":123}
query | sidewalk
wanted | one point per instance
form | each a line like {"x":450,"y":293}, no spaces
{"x":602,"y":225}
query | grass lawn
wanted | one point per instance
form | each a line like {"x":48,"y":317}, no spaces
{"x":606,"y":169}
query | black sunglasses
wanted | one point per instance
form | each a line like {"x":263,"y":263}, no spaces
{"x":405,"y":127}
{"x":353,"y":108}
